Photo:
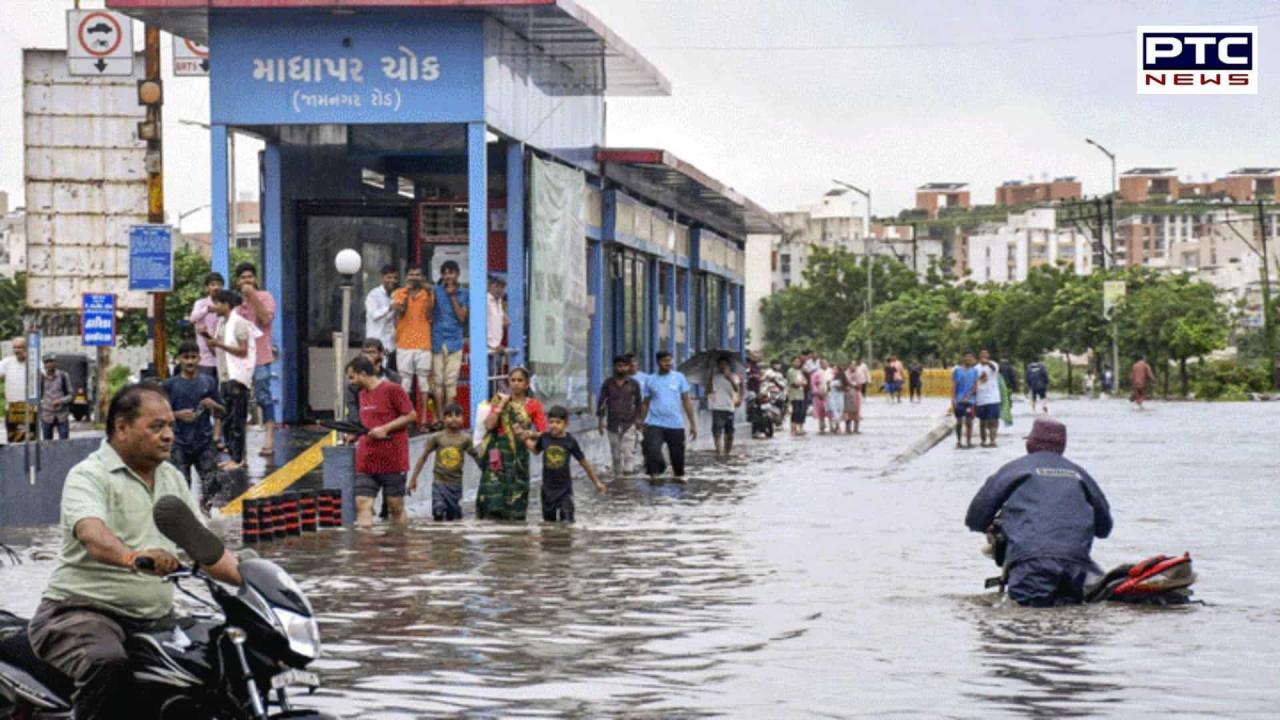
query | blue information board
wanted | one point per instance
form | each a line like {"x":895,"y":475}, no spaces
{"x":98,"y":320}
{"x":151,"y":258}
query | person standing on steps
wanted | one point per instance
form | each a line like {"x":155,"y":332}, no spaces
{"x":448,"y":328}
{"x":413,"y":305}
{"x":380,"y":315}
{"x":259,"y":307}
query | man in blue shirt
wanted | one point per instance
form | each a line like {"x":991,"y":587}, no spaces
{"x":448,"y":329}
{"x":964,"y":388}
{"x":666,"y":397}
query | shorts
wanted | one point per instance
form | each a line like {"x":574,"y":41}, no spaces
{"x":557,"y":506}
{"x":797,"y":412}
{"x":893,"y":387}
{"x":446,"y":502}
{"x":1040,"y":393}
{"x":414,"y":363}
{"x":445,"y":367}
{"x":990,"y":411}
{"x":391,"y":484}
{"x":722,"y":422}
{"x":262,"y":392}
{"x":962,"y":410}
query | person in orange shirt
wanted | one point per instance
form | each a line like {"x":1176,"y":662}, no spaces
{"x":413,"y":305}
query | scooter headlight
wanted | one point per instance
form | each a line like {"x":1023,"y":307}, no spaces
{"x":302,"y":631}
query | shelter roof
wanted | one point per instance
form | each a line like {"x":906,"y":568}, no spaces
{"x":666,"y":179}
{"x":564,"y":31}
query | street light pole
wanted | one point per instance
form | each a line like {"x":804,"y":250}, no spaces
{"x":1115,"y":346}
{"x":347,"y":262}
{"x":866,"y":244}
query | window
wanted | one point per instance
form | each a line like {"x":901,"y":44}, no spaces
{"x":714,"y":313}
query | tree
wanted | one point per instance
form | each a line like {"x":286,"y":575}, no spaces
{"x":13,"y":300}
{"x":912,"y":325}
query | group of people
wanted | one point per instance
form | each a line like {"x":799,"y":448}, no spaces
{"x":833,"y":394}
{"x":421,"y":328}
{"x":57,"y":399}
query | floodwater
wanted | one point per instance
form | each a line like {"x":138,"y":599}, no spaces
{"x":810,"y":578}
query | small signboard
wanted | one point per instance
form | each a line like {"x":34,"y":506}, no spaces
{"x":98,"y":320}
{"x":1112,"y":291}
{"x":33,"y":369}
{"x":99,"y":42}
{"x":151,"y":258}
{"x":190,"y":58}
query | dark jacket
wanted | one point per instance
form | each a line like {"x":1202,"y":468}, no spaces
{"x":1052,"y":508}
{"x":1037,"y":376}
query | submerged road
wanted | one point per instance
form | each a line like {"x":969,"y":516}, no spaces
{"x":809,"y":578}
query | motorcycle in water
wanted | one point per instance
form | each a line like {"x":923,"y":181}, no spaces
{"x":226,"y":665}
{"x":1157,"y":580}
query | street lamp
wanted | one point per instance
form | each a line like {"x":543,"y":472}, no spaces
{"x":347,"y":262}
{"x":1115,"y":348}
{"x":866,"y":244}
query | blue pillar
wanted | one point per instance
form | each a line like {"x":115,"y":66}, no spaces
{"x":595,"y":285}
{"x":670,"y":300}
{"x":740,"y":307}
{"x":689,"y":325}
{"x":477,"y":259}
{"x":273,"y":270}
{"x":515,"y":252}
{"x":651,"y":308}
{"x":694,"y":306}
{"x":723,"y":320}
{"x":218,"y":201}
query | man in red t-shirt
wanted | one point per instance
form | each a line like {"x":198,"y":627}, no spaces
{"x":382,"y":453}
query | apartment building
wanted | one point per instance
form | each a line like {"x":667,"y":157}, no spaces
{"x":1006,"y":252}
{"x":13,"y":239}
{"x":836,"y":221}
{"x":1014,"y":193}
{"x":937,"y":196}
{"x":1148,"y":184}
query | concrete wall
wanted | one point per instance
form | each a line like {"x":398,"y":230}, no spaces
{"x":24,"y":503}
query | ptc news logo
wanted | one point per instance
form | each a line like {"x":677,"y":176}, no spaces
{"x":1197,"y":60}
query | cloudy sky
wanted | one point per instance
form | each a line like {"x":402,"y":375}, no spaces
{"x":777,"y":98}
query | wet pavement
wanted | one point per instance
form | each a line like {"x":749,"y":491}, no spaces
{"x":808,"y":578}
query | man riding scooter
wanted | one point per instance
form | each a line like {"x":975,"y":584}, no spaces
{"x":96,"y":596}
{"x":1050,"y":509}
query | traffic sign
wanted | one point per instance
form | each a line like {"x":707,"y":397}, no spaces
{"x":99,"y":42}
{"x":190,"y":58}
{"x":98,"y":320}
{"x":33,"y":370}
{"x":151,"y":258}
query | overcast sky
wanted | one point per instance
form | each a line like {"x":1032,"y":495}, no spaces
{"x":777,"y":98}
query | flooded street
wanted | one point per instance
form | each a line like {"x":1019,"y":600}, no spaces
{"x":809,"y":578}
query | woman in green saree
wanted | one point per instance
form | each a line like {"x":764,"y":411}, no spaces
{"x":504,"y":484}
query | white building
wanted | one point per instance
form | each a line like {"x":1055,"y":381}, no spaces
{"x":835,"y":222}
{"x":1005,"y":252}
{"x":758,"y":283}
{"x":13,"y":239}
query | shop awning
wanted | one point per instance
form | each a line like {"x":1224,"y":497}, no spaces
{"x":564,"y":31}
{"x":666,"y":179}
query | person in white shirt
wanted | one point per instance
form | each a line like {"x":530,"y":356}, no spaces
{"x":496,"y":325}
{"x":380,"y":316}
{"x":19,"y":419}
{"x":988,"y":399}
{"x":236,"y":348}
{"x":725,"y":396}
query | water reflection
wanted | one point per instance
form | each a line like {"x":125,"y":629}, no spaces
{"x":1040,"y":662}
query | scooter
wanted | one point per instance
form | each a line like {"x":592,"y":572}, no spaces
{"x":225,"y":665}
{"x":1157,"y":580}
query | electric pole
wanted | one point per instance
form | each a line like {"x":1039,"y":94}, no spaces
{"x":150,"y":95}
{"x":1268,"y":312}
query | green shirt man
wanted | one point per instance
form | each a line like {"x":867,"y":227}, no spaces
{"x":102,"y":486}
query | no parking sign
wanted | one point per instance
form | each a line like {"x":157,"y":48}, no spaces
{"x":99,"y":42}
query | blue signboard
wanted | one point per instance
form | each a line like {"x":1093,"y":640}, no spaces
{"x":150,"y":258}
{"x":98,"y":320}
{"x":281,"y":67}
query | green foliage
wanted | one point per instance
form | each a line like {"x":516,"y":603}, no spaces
{"x":912,"y":325}
{"x":13,"y":299}
{"x":1229,"y":380}
{"x":117,"y":377}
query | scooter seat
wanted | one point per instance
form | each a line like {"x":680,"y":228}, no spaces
{"x":38,"y":681}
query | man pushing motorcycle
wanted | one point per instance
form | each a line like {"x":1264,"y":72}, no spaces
{"x":97,"y":595}
{"x":1050,"y":509}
